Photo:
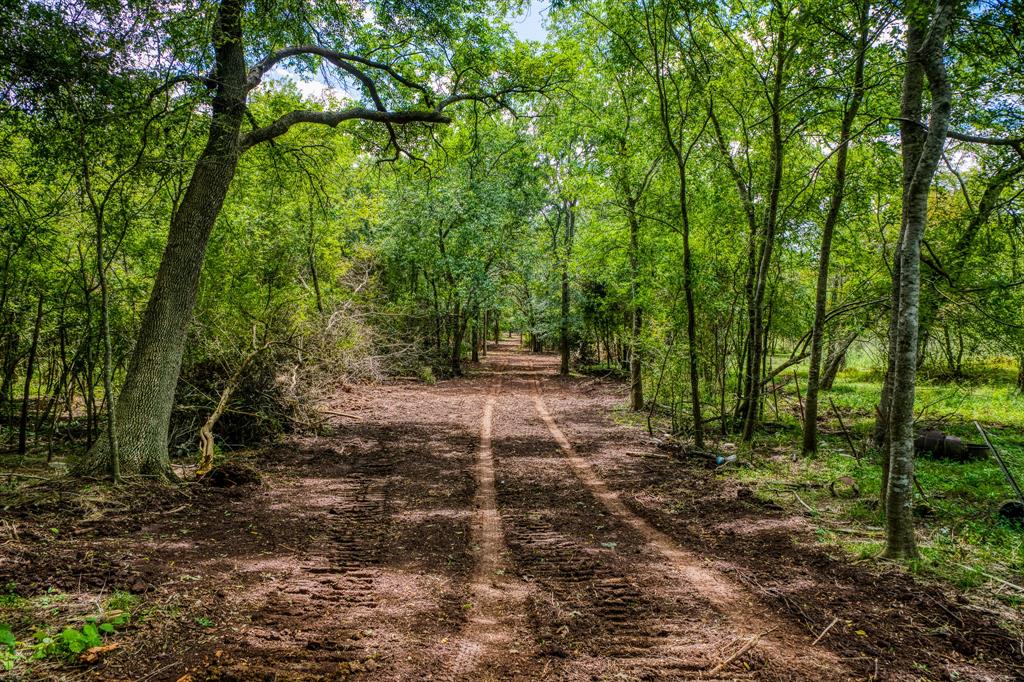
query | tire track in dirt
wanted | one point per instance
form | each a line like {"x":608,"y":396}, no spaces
{"x":314,"y":623}
{"x":598,"y":608}
{"x":788,"y":648}
{"x":497,"y":599}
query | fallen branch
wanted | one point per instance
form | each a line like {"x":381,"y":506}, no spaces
{"x":825,"y":631}
{"x":999,"y":580}
{"x":342,"y":414}
{"x":739,"y":652}
{"x":1002,"y":464}
{"x":849,"y":438}
{"x":11,"y":474}
{"x":806,"y":506}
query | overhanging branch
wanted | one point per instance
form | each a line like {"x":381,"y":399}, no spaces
{"x":333,"y":118}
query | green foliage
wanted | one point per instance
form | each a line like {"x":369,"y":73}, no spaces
{"x":8,"y":648}
{"x":56,"y":642}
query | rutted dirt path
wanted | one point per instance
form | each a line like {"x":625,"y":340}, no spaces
{"x":494,"y":527}
{"x":788,"y":650}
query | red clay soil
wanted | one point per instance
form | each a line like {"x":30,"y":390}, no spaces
{"x":494,"y":527}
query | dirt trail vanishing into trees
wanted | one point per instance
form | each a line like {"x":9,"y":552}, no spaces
{"x":501,"y":526}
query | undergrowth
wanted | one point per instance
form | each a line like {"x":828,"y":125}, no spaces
{"x":57,"y":627}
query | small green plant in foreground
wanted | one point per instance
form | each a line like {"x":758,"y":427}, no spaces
{"x":8,"y":648}
{"x":69,"y":642}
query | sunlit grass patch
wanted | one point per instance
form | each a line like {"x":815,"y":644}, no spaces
{"x":962,"y":537}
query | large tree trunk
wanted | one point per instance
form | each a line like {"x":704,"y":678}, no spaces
{"x":147,"y":397}
{"x":900,"y":542}
{"x":810,"y":435}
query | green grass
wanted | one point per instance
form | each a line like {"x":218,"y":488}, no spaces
{"x":961,"y":535}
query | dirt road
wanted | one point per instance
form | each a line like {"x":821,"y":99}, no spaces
{"x":503,"y":526}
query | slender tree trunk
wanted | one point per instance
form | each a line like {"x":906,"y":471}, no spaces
{"x":484,"y":326}
{"x":636,"y":386}
{"x":458,"y":330}
{"x":753,"y":397}
{"x":314,"y":272}
{"x":563,"y":331}
{"x":911,"y":143}
{"x":147,"y":396}
{"x":474,"y":341}
{"x":662,"y":75}
{"x":691,"y":314}
{"x":30,"y":366}
{"x":108,"y":358}
{"x":900,"y":542}
{"x":810,"y":435}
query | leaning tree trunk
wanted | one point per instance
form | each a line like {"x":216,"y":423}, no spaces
{"x":900,"y":542}
{"x":810,"y":435}
{"x":147,"y":396}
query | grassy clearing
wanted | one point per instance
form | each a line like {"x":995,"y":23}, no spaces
{"x":963,"y":540}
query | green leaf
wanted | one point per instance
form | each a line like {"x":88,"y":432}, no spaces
{"x":7,"y":637}
{"x":69,"y":635}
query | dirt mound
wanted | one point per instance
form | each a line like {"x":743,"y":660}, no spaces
{"x":231,"y":475}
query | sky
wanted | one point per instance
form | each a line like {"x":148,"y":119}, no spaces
{"x":528,"y":25}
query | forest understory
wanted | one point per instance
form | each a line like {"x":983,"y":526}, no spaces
{"x":504,"y":525}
